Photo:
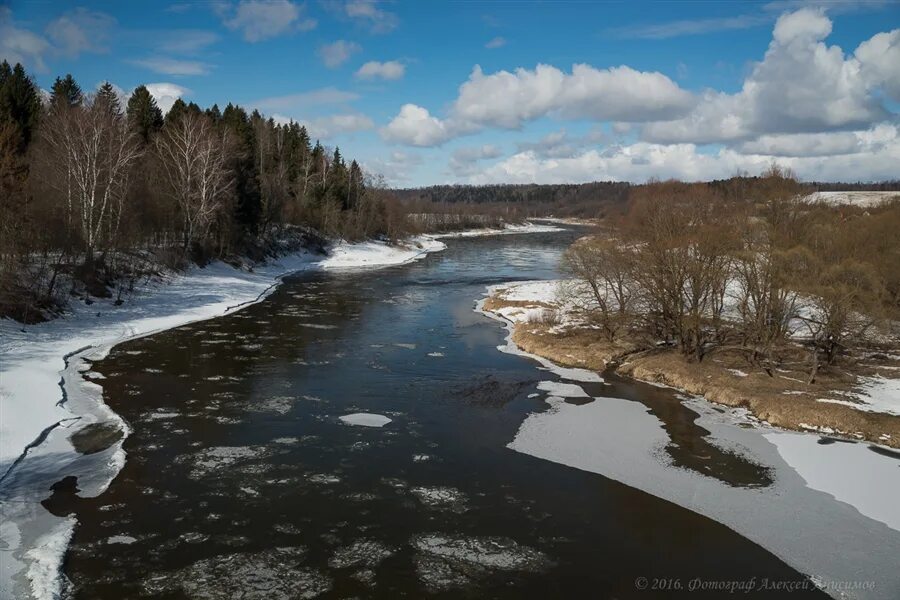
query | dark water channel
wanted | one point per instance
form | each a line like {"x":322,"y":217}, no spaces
{"x":241,"y":481}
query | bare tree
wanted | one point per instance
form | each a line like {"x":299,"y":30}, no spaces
{"x":92,"y":151}
{"x":605,"y":289}
{"x":194,"y":158}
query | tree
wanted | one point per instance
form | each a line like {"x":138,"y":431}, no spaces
{"x":108,"y":99}
{"x":605,"y":290}
{"x":66,"y":90}
{"x":144,"y":116}
{"x":20,"y":102}
{"x":92,"y":152}
{"x":194,"y":157}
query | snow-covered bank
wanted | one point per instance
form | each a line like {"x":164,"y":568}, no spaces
{"x":507,"y":230}
{"x":856,"y":198}
{"x":44,"y":398}
{"x":831,"y":512}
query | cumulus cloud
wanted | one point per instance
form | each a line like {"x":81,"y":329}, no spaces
{"x":259,"y":20}
{"x":368,"y":13}
{"x":875,"y":158}
{"x":335,"y":54}
{"x":508,"y":100}
{"x":497,"y":42}
{"x":166,"y":94}
{"x":801,"y":86}
{"x":172,"y":66}
{"x":415,"y":126}
{"x":18,"y":45}
{"x":80,"y":30}
{"x":389,"y":70}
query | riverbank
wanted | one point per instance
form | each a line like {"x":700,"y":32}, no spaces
{"x":44,"y":399}
{"x":863,"y":405}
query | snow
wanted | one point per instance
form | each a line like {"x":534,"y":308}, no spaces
{"x":858,"y":198}
{"x":855,"y":537}
{"x":562,"y":390}
{"x":849,"y":472}
{"x":528,"y":227}
{"x":879,"y":394}
{"x":367,"y":254}
{"x":365,"y":420}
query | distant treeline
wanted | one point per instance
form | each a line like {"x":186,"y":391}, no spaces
{"x":597,"y":199}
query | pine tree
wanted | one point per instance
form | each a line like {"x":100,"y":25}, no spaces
{"x":214,"y":113}
{"x":143,"y":113}
{"x":66,"y":90}
{"x":20,"y":102}
{"x":248,"y":208}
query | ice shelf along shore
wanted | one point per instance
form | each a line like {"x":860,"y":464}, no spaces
{"x":831,"y":511}
{"x":44,"y":398}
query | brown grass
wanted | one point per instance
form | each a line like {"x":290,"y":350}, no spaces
{"x":762,"y":395}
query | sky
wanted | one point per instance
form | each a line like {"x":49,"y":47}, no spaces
{"x":511,"y":91}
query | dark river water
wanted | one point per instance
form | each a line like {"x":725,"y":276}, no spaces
{"x":241,"y":481}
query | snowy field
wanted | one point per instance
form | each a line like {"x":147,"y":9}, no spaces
{"x":863,"y":199}
{"x":44,"y":398}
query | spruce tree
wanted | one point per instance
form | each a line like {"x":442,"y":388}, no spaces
{"x":20,"y":102}
{"x":179,"y":109}
{"x":66,"y":90}
{"x":108,"y":98}
{"x":143,"y":113}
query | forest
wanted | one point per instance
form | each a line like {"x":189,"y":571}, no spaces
{"x":98,"y":189}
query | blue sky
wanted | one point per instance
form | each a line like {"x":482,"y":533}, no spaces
{"x":436,"y":92}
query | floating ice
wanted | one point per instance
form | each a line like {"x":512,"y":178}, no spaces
{"x":365,"y":420}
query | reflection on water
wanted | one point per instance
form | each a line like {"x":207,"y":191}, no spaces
{"x":241,"y":478}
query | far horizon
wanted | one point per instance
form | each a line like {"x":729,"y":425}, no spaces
{"x":481,"y":93}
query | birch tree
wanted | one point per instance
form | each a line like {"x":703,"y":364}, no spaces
{"x":92,"y":153}
{"x":194,"y":158}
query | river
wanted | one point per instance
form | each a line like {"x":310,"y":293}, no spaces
{"x":242,"y":481}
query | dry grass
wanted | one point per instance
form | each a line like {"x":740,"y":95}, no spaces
{"x":784,"y":399}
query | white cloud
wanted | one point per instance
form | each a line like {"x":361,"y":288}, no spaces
{"x":390,"y":70}
{"x":507,"y":100}
{"x":304,"y":100}
{"x":374,"y":18}
{"x":801,"y":86}
{"x":80,"y":30}
{"x":335,"y":54}
{"x":879,"y":59}
{"x":259,"y":20}
{"x":19,"y":45}
{"x":497,"y":42}
{"x":327,"y":127}
{"x":875,"y":158}
{"x":166,"y":94}
{"x":414,"y":126}
{"x":172,"y":66}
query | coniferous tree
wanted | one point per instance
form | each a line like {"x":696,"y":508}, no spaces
{"x":108,"y":98}
{"x":248,"y":208}
{"x":214,"y":113}
{"x":66,"y":89}
{"x":20,"y":102}
{"x":179,"y":109}
{"x":144,"y":115}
